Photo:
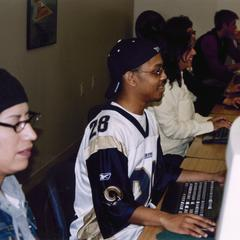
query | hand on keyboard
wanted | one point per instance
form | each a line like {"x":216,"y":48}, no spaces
{"x":219,"y":136}
{"x":220,"y":122}
{"x":232,"y":102}
{"x":234,"y":88}
{"x":189,"y":224}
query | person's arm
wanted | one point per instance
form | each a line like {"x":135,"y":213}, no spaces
{"x":233,"y":88}
{"x":217,"y":122}
{"x":179,"y":223}
{"x":234,"y":53}
{"x":112,"y":194}
{"x":201,"y":118}
{"x":220,"y":122}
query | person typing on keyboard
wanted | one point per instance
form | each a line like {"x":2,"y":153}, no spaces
{"x":232,"y":93}
{"x":210,"y":66}
{"x":177,"y":120}
{"x":120,"y":170}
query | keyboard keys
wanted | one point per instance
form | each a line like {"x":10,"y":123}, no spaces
{"x":200,"y":198}
{"x":197,"y":197}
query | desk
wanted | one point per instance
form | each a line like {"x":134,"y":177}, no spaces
{"x":203,"y":165}
{"x":221,"y":109}
{"x":206,"y":151}
{"x":209,"y":151}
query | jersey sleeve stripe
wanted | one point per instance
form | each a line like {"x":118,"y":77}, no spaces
{"x":104,"y":142}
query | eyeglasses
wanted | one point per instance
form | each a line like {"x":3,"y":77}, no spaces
{"x":193,"y":32}
{"x":18,"y":127}
{"x":158,"y":72}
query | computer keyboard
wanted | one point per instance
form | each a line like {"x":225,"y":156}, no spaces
{"x":218,"y":136}
{"x":200,"y":198}
{"x":197,"y":198}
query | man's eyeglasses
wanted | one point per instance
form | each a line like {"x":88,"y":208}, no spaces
{"x":158,"y":72}
{"x":18,"y":127}
{"x":193,"y":32}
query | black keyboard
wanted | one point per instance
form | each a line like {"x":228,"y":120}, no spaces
{"x":194,"y":197}
{"x":218,"y":136}
{"x":199,"y":198}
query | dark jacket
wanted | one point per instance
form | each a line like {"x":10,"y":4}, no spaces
{"x":212,"y":52}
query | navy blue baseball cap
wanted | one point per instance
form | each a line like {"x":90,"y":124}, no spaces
{"x":11,"y":91}
{"x":127,"y":55}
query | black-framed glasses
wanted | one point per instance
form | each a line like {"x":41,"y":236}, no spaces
{"x":18,"y":127}
{"x":193,"y":32}
{"x":158,"y":72}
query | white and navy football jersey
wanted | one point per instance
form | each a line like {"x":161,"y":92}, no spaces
{"x":119,"y":167}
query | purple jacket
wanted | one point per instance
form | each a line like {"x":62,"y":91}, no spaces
{"x":212,"y":52}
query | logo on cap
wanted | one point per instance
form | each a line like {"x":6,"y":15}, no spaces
{"x":157,"y":49}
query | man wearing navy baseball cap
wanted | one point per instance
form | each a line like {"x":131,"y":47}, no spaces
{"x":120,"y":170}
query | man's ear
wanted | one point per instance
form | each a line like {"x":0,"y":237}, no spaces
{"x":130,"y":78}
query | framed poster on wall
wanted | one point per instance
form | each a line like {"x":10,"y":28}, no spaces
{"x":41,"y":23}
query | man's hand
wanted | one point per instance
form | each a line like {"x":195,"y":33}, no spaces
{"x":235,"y":102}
{"x":219,"y":122}
{"x":233,"y":88}
{"x":189,"y":224}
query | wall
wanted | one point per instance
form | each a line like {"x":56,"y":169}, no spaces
{"x":201,"y":12}
{"x":65,"y":79}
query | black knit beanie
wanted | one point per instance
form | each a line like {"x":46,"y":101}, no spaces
{"x":11,"y":91}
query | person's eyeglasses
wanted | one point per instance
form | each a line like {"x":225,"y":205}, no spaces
{"x":191,"y":31}
{"x":18,"y":127}
{"x":158,"y":72}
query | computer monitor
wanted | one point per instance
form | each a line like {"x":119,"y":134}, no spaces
{"x":228,"y":226}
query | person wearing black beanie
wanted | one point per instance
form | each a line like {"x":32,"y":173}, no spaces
{"x":16,"y":142}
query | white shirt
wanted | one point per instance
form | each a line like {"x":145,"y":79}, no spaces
{"x":177,"y":120}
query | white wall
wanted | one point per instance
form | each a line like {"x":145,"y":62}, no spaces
{"x":53,"y":75}
{"x":201,"y":12}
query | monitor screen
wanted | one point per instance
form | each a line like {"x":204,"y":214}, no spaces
{"x":228,"y":226}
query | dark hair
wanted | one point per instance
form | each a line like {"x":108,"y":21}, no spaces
{"x":176,"y":32}
{"x":224,"y":16}
{"x":178,"y":41}
{"x":150,"y":25}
